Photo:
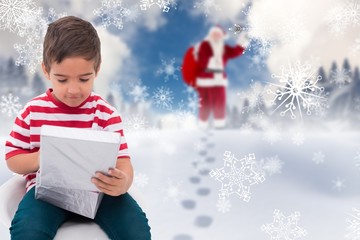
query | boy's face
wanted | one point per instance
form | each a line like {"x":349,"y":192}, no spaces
{"x":72,"y":80}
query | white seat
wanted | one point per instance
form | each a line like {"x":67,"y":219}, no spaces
{"x":11,"y":193}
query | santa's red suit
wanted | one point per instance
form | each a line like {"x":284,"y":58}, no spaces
{"x":211,"y":81}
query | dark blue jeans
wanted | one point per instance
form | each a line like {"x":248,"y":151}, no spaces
{"x":120,"y":217}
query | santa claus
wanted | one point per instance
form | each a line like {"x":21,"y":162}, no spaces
{"x":211,"y":81}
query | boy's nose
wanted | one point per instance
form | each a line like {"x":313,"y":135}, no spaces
{"x":73,"y":89}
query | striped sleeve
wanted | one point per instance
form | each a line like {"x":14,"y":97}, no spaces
{"x":115,"y":124}
{"x":18,"y":141}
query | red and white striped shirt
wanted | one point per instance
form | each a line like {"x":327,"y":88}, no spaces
{"x":93,"y":113}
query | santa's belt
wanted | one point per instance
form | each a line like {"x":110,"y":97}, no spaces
{"x":209,"y":70}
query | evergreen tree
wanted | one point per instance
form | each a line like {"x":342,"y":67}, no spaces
{"x":346,"y":67}
{"x":333,"y":72}
{"x":38,"y":86}
{"x":322,"y":74}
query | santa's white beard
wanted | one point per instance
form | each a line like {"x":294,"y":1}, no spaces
{"x":218,"y":52}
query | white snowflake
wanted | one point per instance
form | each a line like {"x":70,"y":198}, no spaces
{"x":30,"y":54}
{"x":34,"y":25}
{"x":300,"y":84}
{"x":339,"y":184}
{"x":112,"y":13}
{"x":292,"y":30}
{"x":206,"y":6}
{"x":223,"y":205}
{"x":139,"y":92}
{"x":261,"y":49}
{"x":246,"y":128}
{"x":141,"y":180}
{"x":353,"y":230}
{"x":12,"y":13}
{"x":172,"y":191}
{"x":272,"y":134}
{"x":237,"y":176}
{"x":298,"y":138}
{"x":284,"y":228}
{"x":135,"y":123}
{"x":162,"y":4}
{"x":10,"y":105}
{"x":340,"y":77}
{"x":355,"y":48}
{"x":163,"y":98}
{"x":169,"y":69}
{"x":342,"y":15}
{"x":318,"y":157}
{"x":272,"y":165}
{"x":133,"y":14}
{"x":357,"y":159}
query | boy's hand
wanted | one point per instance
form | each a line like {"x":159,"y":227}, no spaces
{"x":113,"y":183}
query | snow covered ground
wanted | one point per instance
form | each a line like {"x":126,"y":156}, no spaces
{"x":313,"y":174}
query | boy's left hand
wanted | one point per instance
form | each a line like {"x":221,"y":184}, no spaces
{"x":113,"y":183}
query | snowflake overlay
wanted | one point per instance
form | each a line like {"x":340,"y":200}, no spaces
{"x":141,"y":180}
{"x":338,"y":184}
{"x":357,"y":159}
{"x":298,"y":138}
{"x":300,"y":90}
{"x":10,"y":105}
{"x":135,"y":123}
{"x":284,"y":228}
{"x":173,"y":191}
{"x":272,"y":165}
{"x":169,"y":69}
{"x":353,"y":230}
{"x":318,"y":157}
{"x":340,"y":77}
{"x":112,"y":13}
{"x":355,"y":48}
{"x":162,"y":4}
{"x":30,"y":54}
{"x":139,"y":92}
{"x":207,"y":5}
{"x":255,"y":99}
{"x":12,"y":12}
{"x":223,"y":205}
{"x":163,"y":98}
{"x":236,"y":176}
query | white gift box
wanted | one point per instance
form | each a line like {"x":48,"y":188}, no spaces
{"x":69,"y":158}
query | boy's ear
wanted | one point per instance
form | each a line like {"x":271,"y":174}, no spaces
{"x":97,"y":70}
{"x":47,"y":75}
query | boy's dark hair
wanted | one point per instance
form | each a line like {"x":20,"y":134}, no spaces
{"x":69,"y":37}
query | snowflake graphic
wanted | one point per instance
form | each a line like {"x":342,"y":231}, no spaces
{"x":353,"y":230}
{"x":163,"y":98}
{"x":357,"y":159}
{"x":33,"y":24}
{"x":169,"y":69}
{"x":355,"y":48}
{"x":133,"y":14}
{"x":246,"y":128}
{"x":343,"y":15}
{"x":339,"y":184}
{"x":141,"y":180}
{"x":300,"y":85}
{"x":223,"y":205}
{"x":206,"y":6}
{"x":284,"y":228}
{"x":236,"y":176}
{"x":10,"y":105}
{"x":172,"y":191}
{"x":162,"y":4}
{"x":340,"y":77}
{"x":112,"y":13}
{"x":30,"y":54}
{"x":318,"y":157}
{"x":272,"y":165}
{"x":139,"y":92}
{"x":135,"y":123}
{"x":272,"y":134}
{"x":12,"y":13}
{"x":298,"y":138}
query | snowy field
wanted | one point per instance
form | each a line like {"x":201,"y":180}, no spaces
{"x":310,"y":177}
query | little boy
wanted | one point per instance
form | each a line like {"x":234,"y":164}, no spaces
{"x":71,"y":62}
